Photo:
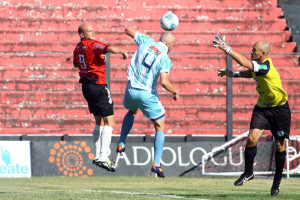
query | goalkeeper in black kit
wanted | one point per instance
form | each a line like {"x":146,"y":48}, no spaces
{"x":271,"y":111}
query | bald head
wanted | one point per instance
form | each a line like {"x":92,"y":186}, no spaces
{"x":86,"y":31}
{"x":260,"y":51}
{"x":168,"y":39}
{"x":263,"y":46}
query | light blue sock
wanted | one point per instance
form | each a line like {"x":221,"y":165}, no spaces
{"x":159,"y":141}
{"x":126,"y":127}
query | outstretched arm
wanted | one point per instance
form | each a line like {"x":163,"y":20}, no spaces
{"x":229,"y":73}
{"x":166,"y":84}
{"x":242,"y":60}
{"x":239,"y":58}
{"x":117,"y":50}
{"x":132,"y":31}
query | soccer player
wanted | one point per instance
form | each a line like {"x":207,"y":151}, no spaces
{"x":89,"y":58}
{"x":149,"y":64}
{"x":271,"y":111}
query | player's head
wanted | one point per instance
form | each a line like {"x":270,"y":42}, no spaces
{"x":168,"y":39}
{"x":86,"y":31}
{"x":260,"y":51}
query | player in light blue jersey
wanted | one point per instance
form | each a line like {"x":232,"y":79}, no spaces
{"x":149,"y":64}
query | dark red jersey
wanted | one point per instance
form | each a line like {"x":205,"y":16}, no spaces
{"x":87,"y":56}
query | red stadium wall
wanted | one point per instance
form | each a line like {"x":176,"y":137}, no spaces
{"x":39,"y":89}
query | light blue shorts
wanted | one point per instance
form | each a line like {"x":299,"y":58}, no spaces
{"x":147,"y":101}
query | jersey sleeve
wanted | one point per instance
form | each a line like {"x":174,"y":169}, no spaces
{"x":99,"y":48}
{"x":74,"y":59}
{"x":260,"y":68}
{"x":165,"y":64}
{"x":141,"y":39}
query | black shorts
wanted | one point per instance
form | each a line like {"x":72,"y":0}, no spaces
{"x":98,"y":97}
{"x":276,"y":119}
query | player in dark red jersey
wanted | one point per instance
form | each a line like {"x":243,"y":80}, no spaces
{"x":89,"y":58}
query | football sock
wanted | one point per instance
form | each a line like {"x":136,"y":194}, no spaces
{"x":250,"y":153}
{"x":159,"y":141}
{"x":105,"y":142}
{"x":126,"y":127}
{"x":96,"y":138}
{"x":279,"y":161}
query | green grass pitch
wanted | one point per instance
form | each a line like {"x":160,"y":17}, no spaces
{"x":133,"y":188}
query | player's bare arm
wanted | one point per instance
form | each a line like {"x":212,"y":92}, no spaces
{"x":117,"y":50}
{"x":132,"y":31}
{"x":239,"y":58}
{"x":166,"y":84}
{"x":242,"y":60}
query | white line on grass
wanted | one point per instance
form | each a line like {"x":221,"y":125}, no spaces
{"x":138,"y":193}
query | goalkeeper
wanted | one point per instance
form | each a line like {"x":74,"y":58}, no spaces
{"x":271,"y":111}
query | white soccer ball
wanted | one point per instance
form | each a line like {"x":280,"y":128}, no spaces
{"x":169,"y":21}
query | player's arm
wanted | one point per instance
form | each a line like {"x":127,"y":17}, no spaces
{"x":229,"y":73}
{"x":132,"y":31}
{"x":239,"y":58}
{"x":75,"y":65}
{"x":246,"y":74}
{"x":242,"y":60}
{"x":117,"y":50}
{"x":166,"y":84}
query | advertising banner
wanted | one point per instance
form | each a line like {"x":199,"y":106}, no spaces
{"x":74,"y":158}
{"x":15,"y":159}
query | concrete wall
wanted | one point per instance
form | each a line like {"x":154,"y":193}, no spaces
{"x":39,"y":89}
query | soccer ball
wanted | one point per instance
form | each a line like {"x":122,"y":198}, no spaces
{"x":169,"y":21}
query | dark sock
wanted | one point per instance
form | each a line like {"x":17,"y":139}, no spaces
{"x":279,"y":161}
{"x":250,"y":153}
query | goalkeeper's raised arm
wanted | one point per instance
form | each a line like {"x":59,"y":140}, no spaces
{"x":221,"y":43}
{"x":259,"y":53}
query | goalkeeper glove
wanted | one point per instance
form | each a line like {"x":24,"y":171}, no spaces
{"x":221,"y":43}
{"x":229,"y":73}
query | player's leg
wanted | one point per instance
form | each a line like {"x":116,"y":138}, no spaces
{"x":280,"y":157}
{"x":159,"y":139}
{"x":250,"y":153}
{"x":105,"y":143}
{"x":126,"y":127}
{"x":258,"y":124}
{"x":155,"y":111}
{"x":97,"y":136}
{"x":251,"y":149}
{"x":90,"y":92}
{"x":130,"y":102}
{"x":106,"y":135}
{"x":280,"y":120}
{"x":103,"y":106}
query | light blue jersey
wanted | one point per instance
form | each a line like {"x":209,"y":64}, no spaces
{"x":150,"y":59}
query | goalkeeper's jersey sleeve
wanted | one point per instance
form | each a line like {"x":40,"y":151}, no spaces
{"x":268,"y":84}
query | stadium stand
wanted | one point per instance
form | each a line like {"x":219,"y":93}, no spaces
{"x":39,"y":88}
{"x":291,"y":13}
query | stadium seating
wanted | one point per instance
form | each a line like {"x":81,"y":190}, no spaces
{"x":39,"y":88}
{"x":291,"y":13}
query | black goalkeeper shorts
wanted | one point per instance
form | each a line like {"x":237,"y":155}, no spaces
{"x":276,"y":119}
{"x":98,"y":97}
